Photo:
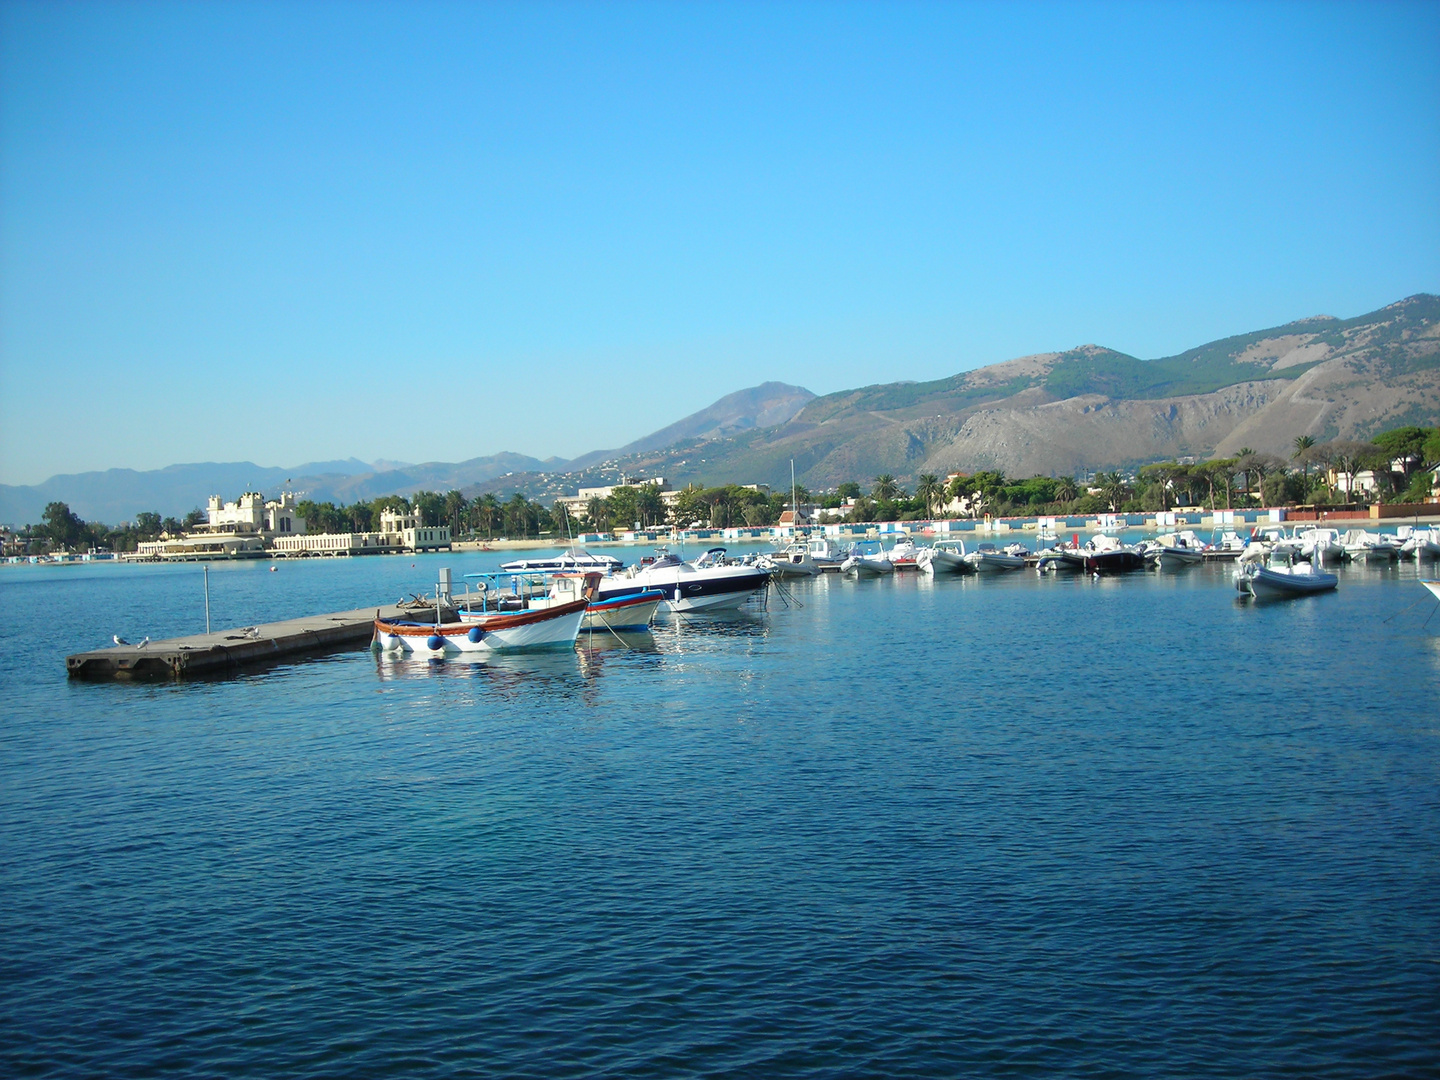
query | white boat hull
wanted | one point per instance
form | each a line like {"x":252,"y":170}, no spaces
{"x":711,"y":602}
{"x":1173,"y":557}
{"x":991,"y":562}
{"x":629,"y":616}
{"x":939,"y":561}
{"x":783,"y":567}
{"x":1265,"y":583}
{"x":555,"y":628}
{"x":867,"y":567}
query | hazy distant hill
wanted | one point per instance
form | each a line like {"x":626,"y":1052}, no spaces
{"x":119,"y":494}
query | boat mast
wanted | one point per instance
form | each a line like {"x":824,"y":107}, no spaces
{"x":794,"y":502}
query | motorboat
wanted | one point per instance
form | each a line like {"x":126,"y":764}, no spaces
{"x":1176,"y":550}
{"x":793,"y":561}
{"x":944,"y":557}
{"x":632,"y":611}
{"x":569,"y":562}
{"x":825,"y":553}
{"x":1321,"y":545}
{"x":504,"y":624}
{"x":535,"y":591}
{"x":1060,"y":557}
{"x":1416,"y":542}
{"x":1432,"y":586}
{"x":1227,"y":545}
{"x":903,"y":554}
{"x":1371,"y":547}
{"x":988,"y":559}
{"x":1267,"y":539}
{"x":867,"y":559}
{"x":712,"y":582}
{"x":1102,"y":554}
{"x":1283,"y":575}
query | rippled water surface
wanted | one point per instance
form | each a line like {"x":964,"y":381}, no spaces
{"x":1014,"y":826}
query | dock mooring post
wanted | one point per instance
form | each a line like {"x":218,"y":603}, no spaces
{"x":207,"y":597}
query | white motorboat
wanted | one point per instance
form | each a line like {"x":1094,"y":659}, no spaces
{"x":1101,"y":554}
{"x":867,"y":559}
{"x":904,"y":555}
{"x":825,"y":553}
{"x":1266,"y":540}
{"x":1369,"y":546}
{"x":574,"y":561}
{"x":1228,"y":544}
{"x":944,"y":557}
{"x":1416,"y":542}
{"x":793,"y":561}
{"x":1283,"y":576}
{"x":1433,"y":586}
{"x":1178,"y":549}
{"x":1321,"y":545}
{"x":710,"y":583}
{"x":1058,"y":557}
{"x":988,"y":559}
{"x":537,"y":591}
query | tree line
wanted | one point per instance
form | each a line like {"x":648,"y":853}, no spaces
{"x":60,"y":528}
{"x":1402,"y":461}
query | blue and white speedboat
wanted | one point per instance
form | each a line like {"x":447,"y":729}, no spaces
{"x":710,"y":583}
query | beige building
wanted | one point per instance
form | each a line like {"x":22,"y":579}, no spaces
{"x":251,"y":514}
{"x":576,"y":504}
{"x":399,"y":531}
{"x":202,"y":546}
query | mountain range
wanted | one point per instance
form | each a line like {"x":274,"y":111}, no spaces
{"x":1050,"y":414}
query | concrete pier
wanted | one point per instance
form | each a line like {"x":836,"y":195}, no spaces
{"x":227,"y":650}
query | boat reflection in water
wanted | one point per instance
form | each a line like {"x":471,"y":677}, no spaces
{"x":562,"y":674}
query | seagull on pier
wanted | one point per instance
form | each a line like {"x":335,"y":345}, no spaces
{"x":118,"y":639}
{"x":142,"y":642}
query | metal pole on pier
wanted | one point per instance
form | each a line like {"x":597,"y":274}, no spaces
{"x":207,"y":597}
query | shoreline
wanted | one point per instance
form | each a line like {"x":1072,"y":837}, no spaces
{"x":937,"y":529}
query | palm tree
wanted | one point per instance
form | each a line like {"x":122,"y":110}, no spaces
{"x":595,"y":510}
{"x":560,"y":515}
{"x":487,"y":513}
{"x":1112,"y":488}
{"x":929,"y":491}
{"x":885,"y":488}
{"x":1303,"y":445}
{"x":454,"y":507}
{"x":1065,"y":490}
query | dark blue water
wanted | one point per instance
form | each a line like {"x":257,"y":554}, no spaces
{"x":984,"y":827}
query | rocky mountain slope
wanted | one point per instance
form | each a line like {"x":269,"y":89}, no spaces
{"x":764,"y":406}
{"x":1091,"y":407}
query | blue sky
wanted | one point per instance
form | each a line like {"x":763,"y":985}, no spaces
{"x":288,"y":232}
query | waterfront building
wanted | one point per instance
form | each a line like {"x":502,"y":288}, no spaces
{"x":252,"y":528}
{"x":576,"y":504}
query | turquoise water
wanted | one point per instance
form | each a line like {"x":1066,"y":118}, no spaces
{"x":1010,"y":826}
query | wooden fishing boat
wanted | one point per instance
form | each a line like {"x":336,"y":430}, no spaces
{"x":521,"y":622}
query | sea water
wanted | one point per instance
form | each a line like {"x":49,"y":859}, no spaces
{"x":990,"y":826}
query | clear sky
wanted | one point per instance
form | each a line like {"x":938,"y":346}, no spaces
{"x":287,"y":232}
